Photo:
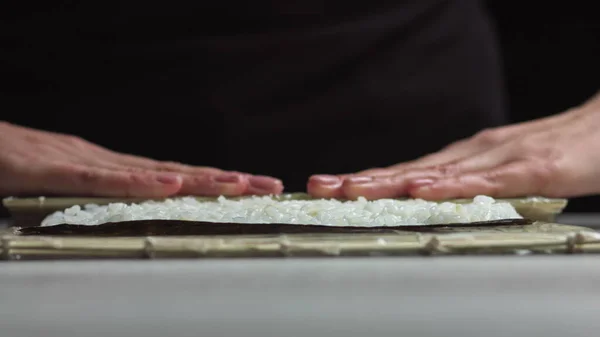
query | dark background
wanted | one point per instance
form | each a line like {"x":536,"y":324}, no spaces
{"x":550,"y":53}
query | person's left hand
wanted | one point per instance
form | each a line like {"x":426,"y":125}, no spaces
{"x":558,"y":156}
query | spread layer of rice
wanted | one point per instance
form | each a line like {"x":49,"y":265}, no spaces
{"x":360,"y":212}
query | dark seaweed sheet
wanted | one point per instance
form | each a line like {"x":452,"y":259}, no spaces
{"x":184,"y":228}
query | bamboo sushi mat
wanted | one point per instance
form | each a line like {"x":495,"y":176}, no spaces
{"x":540,"y":235}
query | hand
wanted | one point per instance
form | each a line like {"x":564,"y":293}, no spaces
{"x":558,"y":156}
{"x":34,"y":162}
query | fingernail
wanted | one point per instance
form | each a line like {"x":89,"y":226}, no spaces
{"x":264,"y":183}
{"x":421,"y":183}
{"x":228,"y":178}
{"x":421,"y":189}
{"x":325,"y":179}
{"x":168,"y":178}
{"x":359,"y":180}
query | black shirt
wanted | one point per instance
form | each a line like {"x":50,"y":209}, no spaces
{"x":281,"y":88}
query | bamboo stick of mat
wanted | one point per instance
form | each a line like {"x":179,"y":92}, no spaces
{"x":16,"y":247}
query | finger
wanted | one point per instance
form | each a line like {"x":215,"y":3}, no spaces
{"x":450,"y":153}
{"x":325,"y":186}
{"x":369,"y":187}
{"x":156,"y":165}
{"x":227,"y":184}
{"x":328,"y":186}
{"x":202,"y":184}
{"x":374,"y":172}
{"x":390,"y":186}
{"x":515,"y":179}
{"x":476,"y":144}
{"x":416,"y":177}
{"x":213,"y":185}
{"x":483,"y":161}
{"x":373,"y":187}
{"x":79,"y":180}
{"x":204,"y":181}
{"x":263,"y":185}
{"x":385,"y":187}
{"x":197,"y":179}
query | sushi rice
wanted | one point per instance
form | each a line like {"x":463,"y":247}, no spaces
{"x":267,"y":209}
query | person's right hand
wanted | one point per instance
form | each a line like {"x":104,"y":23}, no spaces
{"x":34,"y":162}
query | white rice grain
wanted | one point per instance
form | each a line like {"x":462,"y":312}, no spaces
{"x":360,"y":213}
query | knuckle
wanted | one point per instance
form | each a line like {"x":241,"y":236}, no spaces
{"x":494,"y":183}
{"x":74,"y":174}
{"x":90,"y":177}
{"x":455,"y":144}
{"x":171,"y":166}
{"x":202,"y":180}
{"x":374,"y":170}
{"x":64,"y":168}
{"x":135,"y":181}
{"x":544,"y":173}
{"x":533,"y":147}
{"x":132,"y":179}
{"x":76,"y":141}
{"x":133,"y":171}
{"x":173,"y":163}
{"x":489,"y":136}
{"x":528,"y":147}
{"x":447,"y":169}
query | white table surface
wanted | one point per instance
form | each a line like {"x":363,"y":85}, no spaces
{"x":418,"y":296}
